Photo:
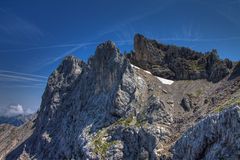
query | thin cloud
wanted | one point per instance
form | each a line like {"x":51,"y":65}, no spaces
{"x":11,"y":79}
{"x":224,"y":9}
{"x":79,"y":46}
{"x":14,"y":110}
{"x":21,"y":78}
{"x":39,"y":48}
{"x":13,"y":27}
{"x":75,"y":48}
{"x":221,"y":39}
{"x":200,"y":39}
{"x":22,"y":74}
{"x":51,"y":46}
{"x":137,"y":17}
{"x":231,"y":18}
{"x":63,"y":55}
{"x":23,"y":86}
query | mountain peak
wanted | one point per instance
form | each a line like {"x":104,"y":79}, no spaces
{"x":106,"y":52}
{"x":178,"y":63}
{"x":107,"y":58}
{"x":70,"y":65}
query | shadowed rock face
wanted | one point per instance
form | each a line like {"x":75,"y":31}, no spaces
{"x":178,"y":63}
{"x":236,"y":72}
{"x":108,"y":108}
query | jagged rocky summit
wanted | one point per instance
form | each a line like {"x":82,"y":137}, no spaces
{"x":178,"y":63}
{"x":136,"y":106}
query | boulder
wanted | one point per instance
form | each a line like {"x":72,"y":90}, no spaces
{"x":186,"y":104}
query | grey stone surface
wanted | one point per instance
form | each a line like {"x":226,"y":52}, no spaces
{"x":186,"y":103}
{"x":236,"y":72}
{"x":215,"y":137}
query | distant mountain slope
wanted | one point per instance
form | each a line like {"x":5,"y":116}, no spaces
{"x":125,"y":107}
{"x":15,"y":114}
{"x":12,"y":137}
{"x":15,"y":120}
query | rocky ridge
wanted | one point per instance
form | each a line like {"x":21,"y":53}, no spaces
{"x":119,"y":107}
{"x":178,"y":63}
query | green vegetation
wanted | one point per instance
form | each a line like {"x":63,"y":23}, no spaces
{"x":101,"y":145}
{"x":125,"y":121}
{"x":100,"y":142}
{"x":130,"y":121}
{"x":197,"y":67}
{"x":139,"y":123}
{"x":231,"y":102}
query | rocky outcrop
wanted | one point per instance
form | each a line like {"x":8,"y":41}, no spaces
{"x":103,"y":109}
{"x":178,"y":63}
{"x":186,"y":103}
{"x":215,"y":137}
{"x":236,"y":72}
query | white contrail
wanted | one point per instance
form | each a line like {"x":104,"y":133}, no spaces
{"x":37,"y":48}
{"x":22,"y":74}
{"x":69,"y":52}
{"x":22,"y":86}
{"x":79,"y":47}
{"x":199,"y":40}
{"x":24,"y":78}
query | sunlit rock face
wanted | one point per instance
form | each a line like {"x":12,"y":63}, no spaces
{"x":89,"y":111}
{"x":215,"y":137}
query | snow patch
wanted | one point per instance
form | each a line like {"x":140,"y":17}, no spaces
{"x":165,"y":81}
{"x":147,"y":72}
{"x":135,"y":66}
{"x":140,"y":68}
{"x":78,"y":71}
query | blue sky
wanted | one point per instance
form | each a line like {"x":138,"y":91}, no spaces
{"x":36,"y":35}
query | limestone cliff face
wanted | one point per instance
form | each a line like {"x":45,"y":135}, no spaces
{"x":112,"y":107}
{"x":99,"y":110}
{"x":178,"y":63}
{"x":215,"y":137}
